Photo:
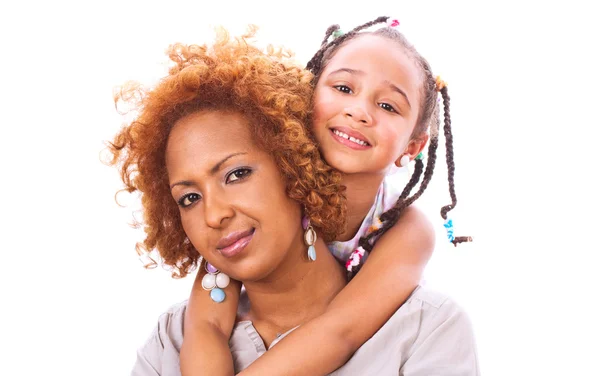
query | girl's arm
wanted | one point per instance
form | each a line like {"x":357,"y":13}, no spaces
{"x":386,"y":280}
{"x":207,"y":328}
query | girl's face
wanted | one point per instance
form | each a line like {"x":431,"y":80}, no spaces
{"x":366,"y":105}
{"x":231,"y":196}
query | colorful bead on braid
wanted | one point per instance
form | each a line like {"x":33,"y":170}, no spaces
{"x":359,"y":253}
{"x":375,"y":226}
{"x":439,"y":83}
{"x":449,"y":229}
{"x":337,"y":33}
{"x":392,"y":22}
{"x":355,"y":258}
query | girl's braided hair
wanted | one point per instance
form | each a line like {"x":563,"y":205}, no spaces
{"x":428,"y":118}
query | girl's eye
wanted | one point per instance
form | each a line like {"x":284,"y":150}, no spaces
{"x":188,"y":200}
{"x":387,"y":107}
{"x":237,"y":175}
{"x":343,"y":89}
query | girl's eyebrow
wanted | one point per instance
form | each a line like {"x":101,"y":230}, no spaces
{"x":348,"y":70}
{"x":398,"y":90}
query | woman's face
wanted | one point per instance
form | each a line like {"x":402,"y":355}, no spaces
{"x":231,"y":196}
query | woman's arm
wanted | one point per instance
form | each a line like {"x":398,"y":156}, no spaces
{"x":391,"y":273}
{"x":207,"y":328}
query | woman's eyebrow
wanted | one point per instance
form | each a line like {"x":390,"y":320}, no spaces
{"x":213,"y":170}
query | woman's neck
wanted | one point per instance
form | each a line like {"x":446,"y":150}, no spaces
{"x":361,"y":190}
{"x":298,"y":291}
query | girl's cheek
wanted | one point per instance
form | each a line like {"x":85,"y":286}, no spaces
{"x":393,"y":137}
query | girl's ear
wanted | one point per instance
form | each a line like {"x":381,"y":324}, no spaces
{"x":414,"y":147}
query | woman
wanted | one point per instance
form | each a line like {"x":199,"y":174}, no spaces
{"x":227,"y":171}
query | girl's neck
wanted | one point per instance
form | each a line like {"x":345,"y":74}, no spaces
{"x":361,"y":190}
{"x":298,"y":291}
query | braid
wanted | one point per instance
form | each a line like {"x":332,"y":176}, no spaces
{"x":315,"y":64}
{"x":370,"y":23}
{"x":450,"y":164}
{"x":390,"y":217}
{"x":449,"y":152}
{"x":365,"y":241}
{"x":330,"y":30}
{"x":414,"y":179}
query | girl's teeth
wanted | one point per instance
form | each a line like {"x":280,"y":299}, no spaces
{"x":355,"y":140}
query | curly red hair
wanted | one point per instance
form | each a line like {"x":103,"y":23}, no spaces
{"x":230,"y":75}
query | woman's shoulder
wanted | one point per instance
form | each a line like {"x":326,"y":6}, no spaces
{"x":170,"y":325}
{"x":427,"y":315}
{"x":432,"y":299}
{"x":173,"y":317}
{"x":422,"y":335}
{"x":159,"y":355}
{"x":444,"y":338}
{"x":432,"y":306}
{"x":176,"y":309}
{"x":438,"y":321}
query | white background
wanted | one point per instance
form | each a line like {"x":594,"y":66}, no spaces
{"x":523,"y":77}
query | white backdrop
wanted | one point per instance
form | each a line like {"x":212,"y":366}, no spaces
{"x":523,"y":77}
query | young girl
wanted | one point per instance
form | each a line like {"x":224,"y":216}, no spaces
{"x":375,"y":99}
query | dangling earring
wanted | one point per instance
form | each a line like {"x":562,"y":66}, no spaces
{"x":310,"y":237}
{"x":214,"y":281}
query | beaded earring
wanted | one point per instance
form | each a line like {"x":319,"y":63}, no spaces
{"x":214,"y":281}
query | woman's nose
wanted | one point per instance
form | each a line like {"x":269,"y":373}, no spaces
{"x":217,"y":211}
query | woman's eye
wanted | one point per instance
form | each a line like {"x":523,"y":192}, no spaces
{"x":387,"y":107}
{"x":238,"y":174}
{"x":343,"y":89}
{"x":188,"y":200}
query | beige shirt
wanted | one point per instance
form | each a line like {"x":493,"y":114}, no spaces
{"x":429,"y":335}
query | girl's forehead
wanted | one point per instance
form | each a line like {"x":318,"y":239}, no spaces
{"x":375,"y":51}
{"x":366,"y":42}
{"x":377,"y":57}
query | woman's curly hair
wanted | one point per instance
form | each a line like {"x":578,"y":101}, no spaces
{"x":231,"y":75}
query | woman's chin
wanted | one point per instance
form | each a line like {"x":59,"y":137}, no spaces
{"x":246,"y":273}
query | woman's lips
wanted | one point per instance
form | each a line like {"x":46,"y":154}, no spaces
{"x":235,"y":242}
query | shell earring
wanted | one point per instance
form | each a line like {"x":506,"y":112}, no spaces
{"x":310,"y":237}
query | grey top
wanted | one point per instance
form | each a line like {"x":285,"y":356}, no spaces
{"x":429,"y":335}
